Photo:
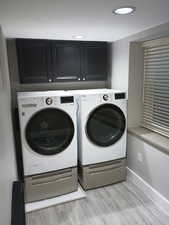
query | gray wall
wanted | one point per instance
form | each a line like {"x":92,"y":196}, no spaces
{"x":127,"y":74}
{"x":7,"y":157}
{"x":150,"y":164}
{"x":120,"y":64}
{"x":121,"y":53}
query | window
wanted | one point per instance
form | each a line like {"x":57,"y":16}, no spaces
{"x":156,"y":85}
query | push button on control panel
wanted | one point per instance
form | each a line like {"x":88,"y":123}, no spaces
{"x":49,"y":101}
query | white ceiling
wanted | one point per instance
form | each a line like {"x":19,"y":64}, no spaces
{"x":60,"y":19}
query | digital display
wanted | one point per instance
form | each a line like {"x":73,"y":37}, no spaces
{"x":121,"y":95}
{"x":67,"y":99}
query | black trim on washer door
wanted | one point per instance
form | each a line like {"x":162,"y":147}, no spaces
{"x":105,"y":125}
{"x":49,"y":131}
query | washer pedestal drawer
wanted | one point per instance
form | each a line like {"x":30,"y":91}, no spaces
{"x":102,"y":174}
{"x":51,"y":184}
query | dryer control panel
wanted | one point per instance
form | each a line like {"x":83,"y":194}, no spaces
{"x":109,"y":97}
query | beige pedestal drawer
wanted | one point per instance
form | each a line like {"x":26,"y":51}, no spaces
{"x":101,"y":174}
{"x":49,"y":185}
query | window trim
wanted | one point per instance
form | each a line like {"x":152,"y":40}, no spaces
{"x":156,"y":42}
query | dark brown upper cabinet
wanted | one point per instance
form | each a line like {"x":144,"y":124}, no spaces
{"x":95,"y":63}
{"x":65,"y":61}
{"x":33,"y":60}
{"x":54,"y":61}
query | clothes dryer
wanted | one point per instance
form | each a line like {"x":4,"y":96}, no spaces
{"x":102,"y":128}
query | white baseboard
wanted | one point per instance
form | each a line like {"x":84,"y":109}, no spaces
{"x":159,"y":200}
{"x":29,"y":207}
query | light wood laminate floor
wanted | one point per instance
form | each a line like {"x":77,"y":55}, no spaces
{"x":119,"y":204}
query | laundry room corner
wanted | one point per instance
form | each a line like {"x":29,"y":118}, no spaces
{"x":84,"y":112}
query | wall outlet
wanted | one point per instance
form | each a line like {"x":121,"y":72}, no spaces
{"x":140,"y":157}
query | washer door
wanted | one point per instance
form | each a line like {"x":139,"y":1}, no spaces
{"x":49,"y":131}
{"x":106,"y":125}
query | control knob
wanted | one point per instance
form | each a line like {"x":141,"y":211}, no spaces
{"x":49,"y":101}
{"x":105,"y":97}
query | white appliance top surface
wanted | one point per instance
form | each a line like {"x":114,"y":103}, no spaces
{"x":95,"y":91}
{"x":35,"y":94}
{"x":43,"y":94}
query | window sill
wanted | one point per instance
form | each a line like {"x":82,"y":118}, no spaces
{"x":154,"y":139}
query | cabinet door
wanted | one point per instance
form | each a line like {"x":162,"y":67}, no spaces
{"x":66,"y":61}
{"x":95,"y":64}
{"x":33,"y":56}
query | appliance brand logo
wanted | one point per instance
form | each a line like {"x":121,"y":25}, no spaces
{"x":29,"y":105}
{"x":44,"y":125}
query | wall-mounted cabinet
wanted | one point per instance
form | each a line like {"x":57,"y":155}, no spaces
{"x":33,"y":60}
{"x":65,"y":61}
{"x":95,"y":61}
{"x":43,"y":61}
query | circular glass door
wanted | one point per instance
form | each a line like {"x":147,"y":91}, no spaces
{"x":106,"y":125}
{"x":49,"y":131}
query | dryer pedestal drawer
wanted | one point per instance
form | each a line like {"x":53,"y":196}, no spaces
{"x":101,"y":174}
{"x":51,"y":184}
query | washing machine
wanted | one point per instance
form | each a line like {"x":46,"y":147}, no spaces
{"x":48,"y":128}
{"x":102,"y":118}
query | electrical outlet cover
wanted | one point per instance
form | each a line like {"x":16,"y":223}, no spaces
{"x":140,"y":157}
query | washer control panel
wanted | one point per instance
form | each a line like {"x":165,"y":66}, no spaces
{"x":46,"y":101}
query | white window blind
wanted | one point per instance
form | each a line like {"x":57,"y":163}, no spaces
{"x":156,"y":85}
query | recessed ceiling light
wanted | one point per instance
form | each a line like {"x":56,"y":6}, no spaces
{"x":78,"y":36}
{"x":124,"y":10}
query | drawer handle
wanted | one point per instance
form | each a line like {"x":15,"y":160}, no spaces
{"x":105,"y":165}
{"x":66,"y":78}
{"x":51,"y":181}
{"x":103,"y":170}
{"x":47,"y":175}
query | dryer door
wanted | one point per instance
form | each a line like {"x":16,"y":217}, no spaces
{"x":49,"y":131}
{"x":105,"y":125}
